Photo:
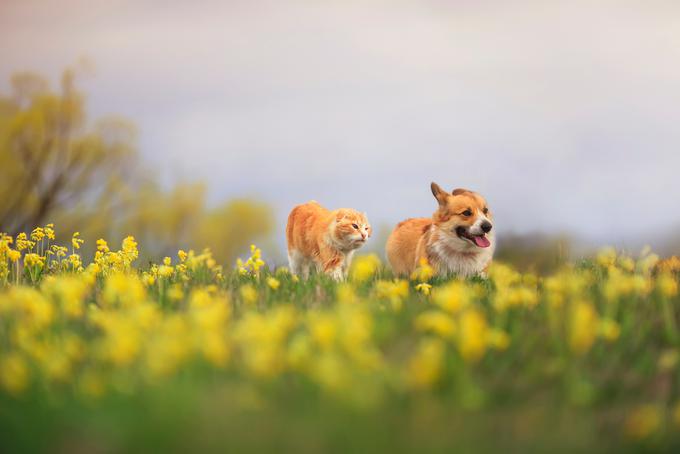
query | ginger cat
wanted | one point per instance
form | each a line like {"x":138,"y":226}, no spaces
{"x":325,"y":239}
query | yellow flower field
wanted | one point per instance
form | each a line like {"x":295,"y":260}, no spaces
{"x":106,"y":353}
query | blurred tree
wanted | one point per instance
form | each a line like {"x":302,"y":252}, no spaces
{"x":50,"y":158}
{"x":165,"y":221}
{"x":56,"y":167}
{"x":227,"y":228}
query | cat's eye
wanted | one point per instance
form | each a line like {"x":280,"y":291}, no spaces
{"x":467,"y":212}
{"x":485,"y":210}
{"x":355,"y":226}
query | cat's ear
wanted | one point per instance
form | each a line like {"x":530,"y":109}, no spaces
{"x":439,"y":194}
{"x":340,"y":215}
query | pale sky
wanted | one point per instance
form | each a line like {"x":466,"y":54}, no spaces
{"x":564,"y":114}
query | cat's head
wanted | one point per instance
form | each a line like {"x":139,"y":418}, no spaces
{"x":351,"y":228}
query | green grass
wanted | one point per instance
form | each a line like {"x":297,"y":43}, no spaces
{"x":540,"y":394}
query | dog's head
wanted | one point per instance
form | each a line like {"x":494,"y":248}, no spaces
{"x":464,"y":216}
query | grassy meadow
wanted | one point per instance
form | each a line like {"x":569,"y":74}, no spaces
{"x":106,"y":354}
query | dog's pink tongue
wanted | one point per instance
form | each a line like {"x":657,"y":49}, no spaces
{"x":482,"y":241}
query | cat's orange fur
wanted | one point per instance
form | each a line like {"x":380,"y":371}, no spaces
{"x":324,"y":239}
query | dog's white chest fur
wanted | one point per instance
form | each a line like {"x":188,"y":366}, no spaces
{"x":454,"y":257}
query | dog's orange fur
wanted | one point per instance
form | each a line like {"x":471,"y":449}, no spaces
{"x":324,"y":239}
{"x":434,"y":239}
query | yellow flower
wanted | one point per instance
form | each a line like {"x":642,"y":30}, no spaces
{"x":37,"y":234}
{"x":647,"y":263}
{"x":606,"y":257}
{"x":436,"y":322}
{"x":102,"y":245}
{"x":253,"y":264}
{"x":583,"y":327}
{"x":181,"y":255}
{"x":123,"y":290}
{"x":35,"y":309}
{"x":76,"y":242}
{"x":261,"y":338}
{"x":667,"y":285}
{"x":75,"y":261}
{"x":14,"y":373}
{"x":509,"y":297}
{"x":148,"y":279}
{"x":669,"y":265}
{"x":395,"y":291}
{"x":165,"y":271}
{"x":423,"y":272}
{"x":69,"y":292}
{"x":13,"y":255}
{"x":330,"y":371}
{"x":60,"y":251}
{"x":619,"y":284}
{"x":167,"y":261}
{"x":34,"y":260}
{"x":273,"y":283}
{"x":299,"y":351}
{"x":609,"y":329}
{"x":49,"y":231}
{"x":129,"y":250}
{"x":472,"y":340}
{"x":248,"y":294}
{"x":346,"y":294}
{"x":424,"y":288}
{"x":503,"y":275}
{"x":643,"y":421}
{"x":215,"y":349}
{"x":122,"y":343}
{"x":627,"y":264}
{"x":364,"y":268}
{"x":175,"y":293}
{"x":23,"y":242}
{"x":498,"y":340}
{"x":425,"y":368}
{"x":323,"y":329}
{"x":452,"y":297}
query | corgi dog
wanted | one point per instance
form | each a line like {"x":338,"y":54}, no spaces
{"x":458,"y":239}
{"x":324,"y":239}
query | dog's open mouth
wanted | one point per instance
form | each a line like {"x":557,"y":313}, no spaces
{"x":478,"y":240}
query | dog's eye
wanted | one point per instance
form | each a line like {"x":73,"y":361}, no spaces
{"x":355,"y":226}
{"x":485,"y":210}
{"x":467,"y":212}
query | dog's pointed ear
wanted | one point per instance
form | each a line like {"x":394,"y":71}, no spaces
{"x":439,"y":194}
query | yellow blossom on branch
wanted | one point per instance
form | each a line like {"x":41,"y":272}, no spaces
{"x":76,"y":242}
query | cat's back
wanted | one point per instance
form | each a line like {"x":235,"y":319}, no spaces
{"x":303,"y":219}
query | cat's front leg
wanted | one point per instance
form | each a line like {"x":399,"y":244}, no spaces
{"x":346,"y":264}
{"x":336,"y":273}
{"x":332,"y":263}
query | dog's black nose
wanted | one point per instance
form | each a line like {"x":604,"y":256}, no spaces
{"x":486,"y":226}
